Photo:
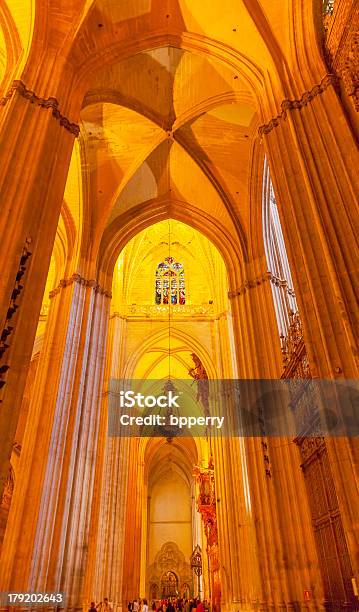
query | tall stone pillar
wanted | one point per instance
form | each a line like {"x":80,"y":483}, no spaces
{"x":36,"y":141}
{"x":313,"y":159}
{"x":111,"y":555}
{"x":239,"y":566}
{"x":47,"y":538}
{"x":131,"y":579}
{"x":274,"y":509}
{"x":104,"y":575}
{"x":255,"y":326}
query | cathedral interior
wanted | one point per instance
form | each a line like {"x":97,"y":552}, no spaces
{"x":179,"y":202}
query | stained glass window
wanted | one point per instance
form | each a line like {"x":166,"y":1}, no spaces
{"x":170,"y":284}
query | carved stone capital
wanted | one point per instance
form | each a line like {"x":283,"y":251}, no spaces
{"x":289,"y":105}
{"x":19,"y":88}
{"x":80,"y":280}
{"x":251,"y":284}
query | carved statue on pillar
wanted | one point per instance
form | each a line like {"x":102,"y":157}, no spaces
{"x":199,"y":374}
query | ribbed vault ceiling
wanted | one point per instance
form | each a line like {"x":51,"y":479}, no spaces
{"x":169,"y":124}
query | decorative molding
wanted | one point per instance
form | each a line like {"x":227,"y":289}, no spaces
{"x":153,"y":311}
{"x":251,"y":284}
{"x":18,"y":87}
{"x":76,"y":278}
{"x":259,"y":280}
{"x":289,"y":105}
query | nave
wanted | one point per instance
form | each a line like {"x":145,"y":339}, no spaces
{"x":179,"y":211}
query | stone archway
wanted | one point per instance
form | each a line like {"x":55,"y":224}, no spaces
{"x":169,"y":585}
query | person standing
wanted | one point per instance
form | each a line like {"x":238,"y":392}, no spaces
{"x":104,"y":606}
{"x":170,"y":606}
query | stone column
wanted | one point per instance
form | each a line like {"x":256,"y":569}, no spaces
{"x":240,"y":585}
{"x":36,"y":142}
{"x":47,"y":538}
{"x":133,"y":523}
{"x":275,"y":509}
{"x":106,"y":555}
{"x":110,"y":553}
{"x":313,"y":159}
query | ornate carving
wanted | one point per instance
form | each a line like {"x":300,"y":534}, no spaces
{"x":196,"y":560}
{"x":283,"y":284}
{"x":289,"y":105}
{"x":160,"y":310}
{"x":350,"y":72}
{"x":169,"y":559}
{"x":18,"y":87}
{"x":76,"y":278}
{"x":327,"y":524}
{"x":309,"y":446}
{"x":266,"y":458}
{"x":341,"y":48}
{"x":199,"y":374}
{"x":7,"y":491}
{"x":206,"y":504}
{"x":295,"y":358}
{"x":259,"y":280}
{"x":316,"y":467}
{"x":251,"y":284}
{"x":296,"y":368}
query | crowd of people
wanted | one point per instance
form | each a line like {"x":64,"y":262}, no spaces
{"x":170,"y":604}
{"x":102,"y":606}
